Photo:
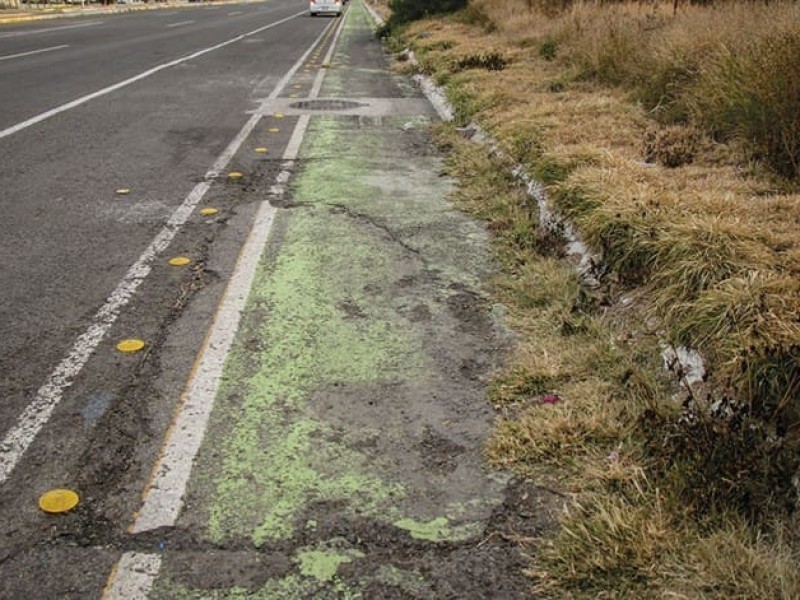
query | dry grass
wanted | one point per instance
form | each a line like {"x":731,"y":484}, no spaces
{"x":702,"y":242}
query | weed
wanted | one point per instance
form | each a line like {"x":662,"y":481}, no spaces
{"x":671,"y":146}
{"x":753,"y":93}
{"x":548,"y":49}
{"x":608,"y":542}
{"x":490,"y":60}
{"x":550,"y":169}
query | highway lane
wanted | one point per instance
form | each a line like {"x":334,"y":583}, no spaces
{"x":67,"y":240}
{"x":98,"y":51}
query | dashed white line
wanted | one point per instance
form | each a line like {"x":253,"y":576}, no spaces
{"x":164,"y":496}
{"x":236,"y":12}
{"x":112,"y":88}
{"x":14,"y":34}
{"x":180,"y":24}
{"x":32,"y":52}
{"x":38,"y":412}
{"x":142,"y":570}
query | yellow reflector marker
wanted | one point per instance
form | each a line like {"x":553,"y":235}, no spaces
{"x":123,"y":192}
{"x":58,"y":501}
{"x":261,"y":150}
{"x":278,"y":115}
{"x":297,"y":86}
{"x":273,"y":130}
{"x":208,"y":211}
{"x":129,"y":346}
{"x":179,"y":261}
{"x":235,"y":175}
{"x":293,"y":96}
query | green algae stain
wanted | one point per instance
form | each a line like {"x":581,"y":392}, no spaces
{"x":322,"y":565}
{"x":439,"y":529}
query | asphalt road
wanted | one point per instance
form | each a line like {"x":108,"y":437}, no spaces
{"x":87,"y":107}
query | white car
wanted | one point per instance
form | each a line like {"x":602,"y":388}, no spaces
{"x":325,"y":7}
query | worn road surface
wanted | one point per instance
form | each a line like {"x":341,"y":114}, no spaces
{"x":307,"y":416}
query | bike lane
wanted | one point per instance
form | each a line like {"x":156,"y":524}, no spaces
{"x":343,"y":455}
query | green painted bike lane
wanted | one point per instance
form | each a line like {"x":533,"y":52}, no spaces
{"x":343,"y":455}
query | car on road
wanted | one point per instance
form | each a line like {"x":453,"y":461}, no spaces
{"x":325,"y":7}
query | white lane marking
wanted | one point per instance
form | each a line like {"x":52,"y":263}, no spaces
{"x":162,"y":501}
{"x":168,"y":14}
{"x":32,"y":52}
{"x":142,"y":570}
{"x":49,"y":29}
{"x":37,"y":413}
{"x":163,"y":498}
{"x":180,"y":24}
{"x":236,"y":12}
{"x":112,"y":88}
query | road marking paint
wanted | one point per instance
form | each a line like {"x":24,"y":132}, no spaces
{"x":58,"y":501}
{"x":32,"y":52}
{"x":179,"y":24}
{"x":140,"y":571}
{"x":163,"y":498}
{"x":49,"y":29}
{"x":236,"y":12}
{"x":208,"y":211}
{"x":129,"y":346}
{"x":112,"y":88}
{"x":180,"y":261}
{"x":19,"y":438}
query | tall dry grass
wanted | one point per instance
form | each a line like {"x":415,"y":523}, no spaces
{"x":702,"y":239}
{"x":733,"y":68}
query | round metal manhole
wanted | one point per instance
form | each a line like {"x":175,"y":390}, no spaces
{"x":327,"y":105}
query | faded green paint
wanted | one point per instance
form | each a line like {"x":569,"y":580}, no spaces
{"x":439,"y":529}
{"x":277,"y":459}
{"x":325,"y":314}
{"x":345,"y":78}
{"x":323,"y":564}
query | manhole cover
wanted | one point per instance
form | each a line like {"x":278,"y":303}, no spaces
{"x":326,"y":105}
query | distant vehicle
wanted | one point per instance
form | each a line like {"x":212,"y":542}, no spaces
{"x":325,"y":7}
